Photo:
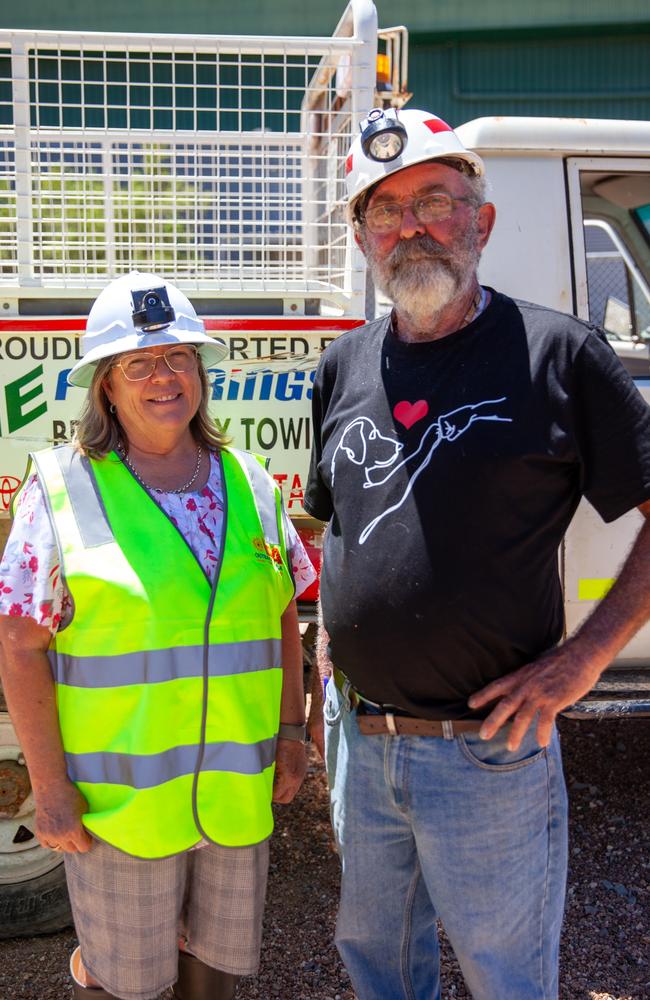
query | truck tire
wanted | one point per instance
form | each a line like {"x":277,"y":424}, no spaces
{"x":33,"y":894}
{"x":36,"y":906}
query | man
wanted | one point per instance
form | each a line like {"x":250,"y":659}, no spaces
{"x":453,"y":440}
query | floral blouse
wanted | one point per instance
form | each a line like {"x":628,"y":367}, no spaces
{"x":30,"y":580}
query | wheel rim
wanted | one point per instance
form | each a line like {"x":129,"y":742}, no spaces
{"x":21,"y":856}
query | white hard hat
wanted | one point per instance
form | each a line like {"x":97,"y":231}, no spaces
{"x":423,"y":137}
{"x":141,"y":310}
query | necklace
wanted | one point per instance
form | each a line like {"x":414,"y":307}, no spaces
{"x":156,"y":489}
{"x":476,"y":307}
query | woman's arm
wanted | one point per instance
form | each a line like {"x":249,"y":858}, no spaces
{"x":29,"y":690}
{"x":291,"y":758}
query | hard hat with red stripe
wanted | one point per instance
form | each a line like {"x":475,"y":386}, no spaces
{"x":390,"y":141}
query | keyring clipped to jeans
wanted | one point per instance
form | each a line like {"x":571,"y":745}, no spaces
{"x":356,"y":700}
{"x":345,"y":702}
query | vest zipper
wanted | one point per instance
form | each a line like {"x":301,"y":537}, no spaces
{"x":206,"y":652}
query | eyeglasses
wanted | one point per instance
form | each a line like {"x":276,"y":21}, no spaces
{"x":142,"y":365}
{"x":387,"y":217}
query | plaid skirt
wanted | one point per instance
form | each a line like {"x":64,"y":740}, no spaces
{"x":129,"y":913}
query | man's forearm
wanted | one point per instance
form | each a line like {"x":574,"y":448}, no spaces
{"x":323,"y":662}
{"x":624,"y":610}
{"x":322,"y":666}
{"x":321,"y":671}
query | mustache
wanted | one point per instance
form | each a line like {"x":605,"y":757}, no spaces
{"x":417,"y":248}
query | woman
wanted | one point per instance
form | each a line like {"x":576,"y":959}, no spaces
{"x":153,"y":665}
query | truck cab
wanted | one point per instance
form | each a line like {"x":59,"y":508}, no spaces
{"x":573,"y":233}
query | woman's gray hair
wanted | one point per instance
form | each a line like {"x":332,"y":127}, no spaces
{"x":99,"y":430}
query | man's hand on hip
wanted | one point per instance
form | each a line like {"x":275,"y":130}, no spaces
{"x":545,"y":686}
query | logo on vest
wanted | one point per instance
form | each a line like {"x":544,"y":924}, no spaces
{"x":267,"y":553}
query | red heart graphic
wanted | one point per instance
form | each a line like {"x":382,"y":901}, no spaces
{"x":409,"y":413}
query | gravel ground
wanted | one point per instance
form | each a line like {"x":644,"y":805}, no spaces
{"x":606,"y":934}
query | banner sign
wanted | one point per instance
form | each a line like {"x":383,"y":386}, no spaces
{"x":260,"y":396}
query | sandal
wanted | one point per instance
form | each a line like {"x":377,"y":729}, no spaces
{"x":79,"y":991}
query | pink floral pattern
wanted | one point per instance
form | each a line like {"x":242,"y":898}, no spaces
{"x":30,"y":579}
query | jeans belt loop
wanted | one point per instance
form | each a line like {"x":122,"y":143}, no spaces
{"x":447,"y":729}
{"x":390,"y":724}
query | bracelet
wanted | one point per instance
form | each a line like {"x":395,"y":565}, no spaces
{"x":289,"y":732}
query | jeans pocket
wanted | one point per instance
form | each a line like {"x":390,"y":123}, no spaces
{"x":493,"y":755}
{"x":334,"y":704}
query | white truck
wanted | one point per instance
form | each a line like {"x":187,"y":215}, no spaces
{"x":219,"y":161}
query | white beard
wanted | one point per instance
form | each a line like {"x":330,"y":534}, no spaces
{"x":423,"y":292}
{"x":422,"y":278}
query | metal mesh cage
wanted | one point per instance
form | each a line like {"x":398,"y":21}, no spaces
{"x":217,"y":161}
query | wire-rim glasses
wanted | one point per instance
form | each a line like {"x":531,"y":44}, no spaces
{"x":137,"y":367}
{"x":435,"y":207}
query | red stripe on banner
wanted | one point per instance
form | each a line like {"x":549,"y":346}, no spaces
{"x":79,"y":325}
{"x":41,"y":325}
{"x":282,"y":324}
{"x":348,"y":165}
{"x":437,"y":125}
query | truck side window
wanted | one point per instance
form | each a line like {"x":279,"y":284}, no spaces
{"x":616,"y":215}
{"x":615,"y":301}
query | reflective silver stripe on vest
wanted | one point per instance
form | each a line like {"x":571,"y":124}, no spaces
{"x":85,"y":499}
{"x":157,"y":665}
{"x":149,"y":770}
{"x":264,"y":493}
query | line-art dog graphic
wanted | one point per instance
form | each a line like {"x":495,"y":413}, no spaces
{"x":361,"y":441}
{"x":448,"y":427}
{"x":363,"y":444}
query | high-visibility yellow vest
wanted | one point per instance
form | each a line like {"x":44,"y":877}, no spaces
{"x":168,"y":686}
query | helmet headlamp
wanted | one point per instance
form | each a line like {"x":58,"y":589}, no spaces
{"x":391,"y":140}
{"x":151,"y":309}
{"x":383,"y":137}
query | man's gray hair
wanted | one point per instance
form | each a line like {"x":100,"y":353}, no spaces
{"x":476,"y":184}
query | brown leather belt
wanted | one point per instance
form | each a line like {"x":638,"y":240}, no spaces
{"x":400,"y":725}
{"x":404,"y":725}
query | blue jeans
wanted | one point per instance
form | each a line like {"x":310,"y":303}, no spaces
{"x":460,"y":829}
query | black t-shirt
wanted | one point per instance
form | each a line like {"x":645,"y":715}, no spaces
{"x":449,"y":471}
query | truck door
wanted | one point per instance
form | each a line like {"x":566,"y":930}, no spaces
{"x":609,"y":202}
